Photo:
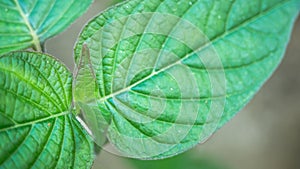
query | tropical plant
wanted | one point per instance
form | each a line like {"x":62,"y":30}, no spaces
{"x":153,"y":77}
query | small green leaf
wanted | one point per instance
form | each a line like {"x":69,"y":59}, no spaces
{"x":28,"y":23}
{"x":86,"y":94}
{"x":37,"y":129}
{"x":172,"y":72}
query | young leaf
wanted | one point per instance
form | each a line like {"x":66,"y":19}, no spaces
{"x":86,"y":94}
{"x":172,"y":72}
{"x":28,"y":23}
{"x":37,"y":129}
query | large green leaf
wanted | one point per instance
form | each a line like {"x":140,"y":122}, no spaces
{"x":37,"y":129}
{"x":28,"y":23}
{"x":170,"y":72}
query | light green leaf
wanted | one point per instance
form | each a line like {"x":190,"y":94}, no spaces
{"x":37,"y":129}
{"x":28,"y":23}
{"x":86,"y":94}
{"x":172,"y":72}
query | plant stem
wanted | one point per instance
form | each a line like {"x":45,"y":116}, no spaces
{"x":37,"y":48}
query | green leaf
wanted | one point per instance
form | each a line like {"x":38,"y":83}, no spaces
{"x":37,"y":129}
{"x":185,"y":160}
{"x":28,"y":23}
{"x":86,"y":94}
{"x":172,"y":72}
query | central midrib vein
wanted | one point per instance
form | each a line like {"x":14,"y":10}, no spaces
{"x":35,"y":121}
{"x":35,"y":38}
{"x":254,"y":18}
{"x":212,"y":41}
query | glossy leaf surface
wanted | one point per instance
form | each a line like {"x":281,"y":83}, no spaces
{"x":37,"y":129}
{"x":171,"y":72}
{"x":28,"y":23}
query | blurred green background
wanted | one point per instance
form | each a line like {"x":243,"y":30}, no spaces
{"x":264,"y":135}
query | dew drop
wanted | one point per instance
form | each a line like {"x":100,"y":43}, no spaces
{"x":190,"y":3}
{"x":219,"y":17}
{"x":6,"y":9}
